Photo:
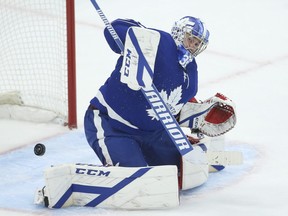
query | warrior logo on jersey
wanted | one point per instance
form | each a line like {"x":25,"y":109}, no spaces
{"x":172,"y":101}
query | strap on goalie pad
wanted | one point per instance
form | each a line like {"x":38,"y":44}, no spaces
{"x":112,"y":187}
{"x":213,"y":117}
{"x":140,"y":51}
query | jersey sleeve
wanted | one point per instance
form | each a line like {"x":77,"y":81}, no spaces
{"x":121,"y":26}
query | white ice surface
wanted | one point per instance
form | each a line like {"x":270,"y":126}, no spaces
{"x":247,"y":60}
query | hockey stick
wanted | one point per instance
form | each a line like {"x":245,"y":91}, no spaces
{"x":172,"y":127}
{"x":224,"y":158}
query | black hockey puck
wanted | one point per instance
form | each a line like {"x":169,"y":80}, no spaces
{"x":39,"y":149}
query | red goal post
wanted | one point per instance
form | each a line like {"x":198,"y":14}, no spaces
{"x":37,"y":61}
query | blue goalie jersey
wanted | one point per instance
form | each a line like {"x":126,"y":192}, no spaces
{"x":128,"y":110}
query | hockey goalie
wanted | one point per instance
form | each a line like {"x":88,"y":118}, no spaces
{"x":150,"y":145}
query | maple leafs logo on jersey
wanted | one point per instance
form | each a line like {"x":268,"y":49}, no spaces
{"x":172,"y":102}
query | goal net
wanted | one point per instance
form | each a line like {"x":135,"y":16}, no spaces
{"x":37,"y":61}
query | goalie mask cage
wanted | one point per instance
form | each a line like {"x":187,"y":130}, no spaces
{"x":37,"y":61}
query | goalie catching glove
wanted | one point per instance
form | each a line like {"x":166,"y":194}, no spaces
{"x":213,"y":117}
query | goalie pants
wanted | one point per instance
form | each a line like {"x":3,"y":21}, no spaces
{"x":114,"y":147}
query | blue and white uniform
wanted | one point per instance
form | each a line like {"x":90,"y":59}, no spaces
{"x":119,"y":124}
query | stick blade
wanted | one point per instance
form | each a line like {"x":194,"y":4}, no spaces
{"x":225,"y":157}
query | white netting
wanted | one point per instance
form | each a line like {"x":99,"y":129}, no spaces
{"x":33,"y":56}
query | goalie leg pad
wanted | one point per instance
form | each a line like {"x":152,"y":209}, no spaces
{"x":112,"y":187}
{"x":193,"y":175}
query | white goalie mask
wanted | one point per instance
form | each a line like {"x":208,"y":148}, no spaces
{"x":190,"y":28}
